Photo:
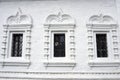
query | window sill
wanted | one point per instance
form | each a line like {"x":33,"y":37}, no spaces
{"x":15,"y":62}
{"x":59,"y":63}
{"x":104,"y":63}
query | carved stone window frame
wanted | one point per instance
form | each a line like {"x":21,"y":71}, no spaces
{"x":106,"y":24}
{"x":59,"y":23}
{"x":19,"y":23}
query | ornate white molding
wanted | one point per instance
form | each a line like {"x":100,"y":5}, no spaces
{"x":61,"y":23}
{"x":59,"y":19}
{"x":15,"y":63}
{"x":59,"y":64}
{"x":101,"y":19}
{"x":105,"y":24}
{"x":19,"y":18}
{"x":104,"y":64}
{"x":60,"y":75}
{"x":17,"y":23}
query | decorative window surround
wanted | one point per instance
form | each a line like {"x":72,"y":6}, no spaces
{"x":19,"y":23}
{"x":60,"y":23}
{"x":103,"y":24}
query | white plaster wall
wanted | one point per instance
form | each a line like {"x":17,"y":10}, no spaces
{"x":80,"y":10}
{"x":118,"y":12}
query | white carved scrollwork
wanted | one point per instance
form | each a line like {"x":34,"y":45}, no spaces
{"x":101,"y":19}
{"x":19,"y":18}
{"x":60,"y":18}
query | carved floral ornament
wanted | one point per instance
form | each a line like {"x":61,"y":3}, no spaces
{"x":101,"y":19}
{"x":59,"y":18}
{"x":19,"y":18}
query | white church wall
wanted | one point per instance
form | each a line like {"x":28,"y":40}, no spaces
{"x":80,"y":10}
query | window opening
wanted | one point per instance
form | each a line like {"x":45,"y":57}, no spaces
{"x":17,"y":43}
{"x":59,"y":45}
{"x":101,"y":41}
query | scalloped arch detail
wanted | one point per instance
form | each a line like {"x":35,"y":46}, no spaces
{"x":19,"y":18}
{"x":101,"y":19}
{"x":60,"y":18}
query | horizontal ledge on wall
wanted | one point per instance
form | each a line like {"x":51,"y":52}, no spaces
{"x":104,"y":64}
{"x":18,"y":63}
{"x":18,"y":25}
{"x":109,"y":26}
{"x":58,"y":76}
{"x":26,"y":0}
{"x":59,"y":64}
{"x":59,"y":24}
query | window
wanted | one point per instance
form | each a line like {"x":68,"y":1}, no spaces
{"x":16,"y":45}
{"x":101,"y":44}
{"x":103,"y":41}
{"x":17,"y":42}
{"x":59,"y":45}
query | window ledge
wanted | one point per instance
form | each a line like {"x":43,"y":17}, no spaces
{"x":17,"y":62}
{"x":104,"y":64}
{"x":59,"y":63}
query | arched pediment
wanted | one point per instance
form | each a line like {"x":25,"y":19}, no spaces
{"x":19,"y":18}
{"x":60,"y":18}
{"x":101,"y":19}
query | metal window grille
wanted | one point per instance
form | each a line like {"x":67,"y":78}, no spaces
{"x":59,"y":45}
{"x":101,"y":41}
{"x":17,"y":43}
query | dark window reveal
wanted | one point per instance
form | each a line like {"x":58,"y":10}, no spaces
{"x":17,"y":42}
{"x":101,"y":42}
{"x":59,"y":45}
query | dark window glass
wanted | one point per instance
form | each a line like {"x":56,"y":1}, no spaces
{"x":17,"y":42}
{"x":59,"y":45}
{"x":101,"y":45}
